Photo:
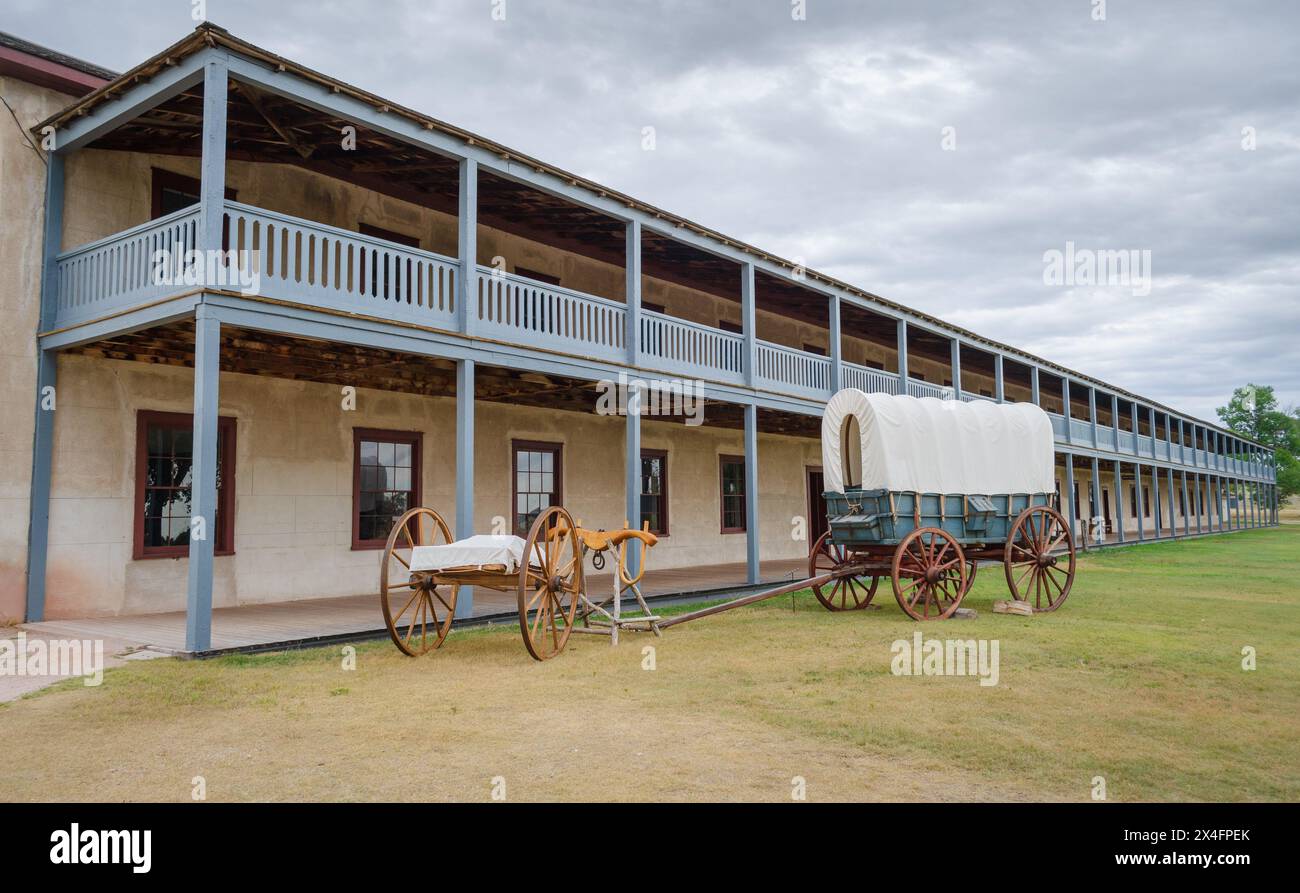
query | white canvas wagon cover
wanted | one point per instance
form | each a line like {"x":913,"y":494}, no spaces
{"x":924,"y":445}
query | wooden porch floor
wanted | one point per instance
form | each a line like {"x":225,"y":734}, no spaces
{"x":321,"y":619}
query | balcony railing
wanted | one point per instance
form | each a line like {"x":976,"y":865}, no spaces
{"x":924,"y":389}
{"x":319,"y":264}
{"x":108,"y":274}
{"x":793,"y":370}
{"x":687,"y":348}
{"x":513,"y":308}
{"x":323,"y":266}
{"x":870,"y":380}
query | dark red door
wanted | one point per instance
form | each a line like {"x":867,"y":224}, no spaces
{"x":816,"y":505}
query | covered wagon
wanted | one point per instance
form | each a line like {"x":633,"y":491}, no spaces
{"x":921,"y":491}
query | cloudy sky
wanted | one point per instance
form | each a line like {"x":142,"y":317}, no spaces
{"x":1168,"y":127}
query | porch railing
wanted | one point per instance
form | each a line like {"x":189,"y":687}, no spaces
{"x":122,"y":269}
{"x":876,"y":381}
{"x":514,"y":308}
{"x":319,"y":264}
{"x":925,"y":389}
{"x":795,"y":370}
{"x":687,"y":348}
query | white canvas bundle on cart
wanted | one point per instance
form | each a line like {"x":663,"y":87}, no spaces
{"x":483,"y":551}
{"x":925,"y":445}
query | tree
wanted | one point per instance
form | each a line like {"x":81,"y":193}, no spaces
{"x":1253,"y":412}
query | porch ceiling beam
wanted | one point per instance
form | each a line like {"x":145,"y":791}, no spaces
{"x":131,"y":102}
{"x":258,"y":102}
{"x":121,"y":324}
{"x":314,"y":324}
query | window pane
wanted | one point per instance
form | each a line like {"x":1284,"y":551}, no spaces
{"x":386,"y":486}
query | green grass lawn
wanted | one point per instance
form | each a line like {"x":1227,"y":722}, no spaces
{"x":1137,"y":679}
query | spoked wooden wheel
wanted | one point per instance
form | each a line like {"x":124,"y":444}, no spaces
{"x":1033,"y":571}
{"x":417,"y":611}
{"x":550,"y":583}
{"x":972,"y":568}
{"x":847,"y":593}
{"x":929,"y":574}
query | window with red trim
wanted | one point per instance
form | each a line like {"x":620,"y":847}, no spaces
{"x":164,"y":473}
{"x":732,"y":485}
{"x":385,"y":482}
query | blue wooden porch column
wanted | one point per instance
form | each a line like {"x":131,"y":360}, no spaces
{"x":901,"y":345}
{"x":632,"y":470}
{"x":747,"y":322}
{"x":203,"y":483}
{"x":1119,"y":501}
{"x":1071,"y":508}
{"x":207,"y":367}
{"x":38,"y":509}
{"x":1036,"y":394}
{"x":1156,"y":527}
{"x":751,"y":492}
{"x":999,"y":386}
{"x":1173,"y":517}
{"x":1114,"y":418}
{"x":956,"y":369}
{"x":465,"y":472}
{"x":1187,"y":506}
{"x":1200,"y":502}
{"x":1092,"y":417}
{"x":836,"y":351}
{"x":1095,"y":483}
{"x":1139,"y":501}
{"x":1151,"y":420}
{"x":1065,"y":409}
{"x":632,"y":292}
{"x":467,"y":246}
{"x":1136,"y":429}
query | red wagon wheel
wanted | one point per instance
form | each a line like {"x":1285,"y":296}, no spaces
{"x":1033,"y":569}
{"x":972,"y":568}
{"x":929,"y":574}
{"x":847,"y":593}
{"x":550,"y":583}
{"x":417,"y":614}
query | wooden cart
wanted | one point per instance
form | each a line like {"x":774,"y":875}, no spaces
{"x":419,"y":605}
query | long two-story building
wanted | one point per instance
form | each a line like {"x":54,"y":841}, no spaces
{"x":415,"y":314}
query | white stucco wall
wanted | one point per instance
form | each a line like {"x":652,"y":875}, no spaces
{"x":293,"y":484}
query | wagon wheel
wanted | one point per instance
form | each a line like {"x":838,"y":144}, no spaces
{"x":1032,"y":569}
{"x":417,"y":614}
{"x":550,"y":583}
{"x":929,"y":574}
{"x":847,"y":593}
{"x":972,"y":568}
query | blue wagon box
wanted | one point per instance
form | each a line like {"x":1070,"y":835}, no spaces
{"x":884,"y":517}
